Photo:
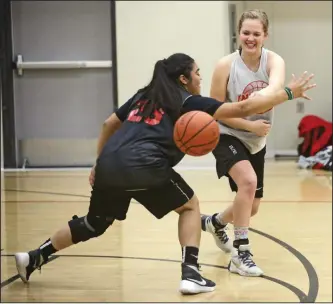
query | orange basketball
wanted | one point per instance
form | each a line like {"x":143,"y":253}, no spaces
{"x":196,"y":133}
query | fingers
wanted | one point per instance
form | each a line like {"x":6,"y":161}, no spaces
{"x":263,"y":121}
{"x":310,"y":77}
{"x":310,"y":87}
{"x":303,"y":78}
{"x":306,"y":81}
{"x":301,"y":84}
{"x":299,"y":79}
{"x":304,"y":75}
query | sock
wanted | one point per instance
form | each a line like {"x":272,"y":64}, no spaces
{"x":241,"y":232}
{"x":217,"y":223}
{"x":190,"y":255}
{"x":47,"y":249}
{"x":241,"y":236}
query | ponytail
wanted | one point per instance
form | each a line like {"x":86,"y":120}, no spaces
{"x":164,"y":90}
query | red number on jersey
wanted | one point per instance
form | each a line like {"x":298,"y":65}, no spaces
{"x":155,"y":119}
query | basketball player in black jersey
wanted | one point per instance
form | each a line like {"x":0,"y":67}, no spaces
{"x":136,"y":156}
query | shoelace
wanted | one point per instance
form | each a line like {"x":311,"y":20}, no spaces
{"x":37,"y":263}
{"x":246,"y":258}
{"x":221,"y":234}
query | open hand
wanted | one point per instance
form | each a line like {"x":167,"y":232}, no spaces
{"x":300,"y":85}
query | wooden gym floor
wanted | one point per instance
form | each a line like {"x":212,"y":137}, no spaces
{"x":138,"y":259}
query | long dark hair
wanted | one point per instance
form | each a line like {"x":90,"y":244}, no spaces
{"x":163,"y":91}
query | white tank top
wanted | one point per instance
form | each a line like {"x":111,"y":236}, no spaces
{"x":242,"y":82}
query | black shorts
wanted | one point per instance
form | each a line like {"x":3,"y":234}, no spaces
{"x":159,"y":201}
{"x":230,"y":151}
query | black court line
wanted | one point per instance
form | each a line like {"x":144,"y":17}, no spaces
{"x":87,"y":196}
{"x":45,"y":192}
{"x":311,"y":272}
{"x":299,"y":293}
{"x":10,"y":280}
{"x":15,"y":277}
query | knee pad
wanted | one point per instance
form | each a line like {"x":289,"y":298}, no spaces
{"x":87,"y":227}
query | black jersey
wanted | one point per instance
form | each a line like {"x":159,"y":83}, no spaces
{"x":142,"y":152}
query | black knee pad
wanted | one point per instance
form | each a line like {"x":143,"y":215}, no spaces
{"x":87,"y":227}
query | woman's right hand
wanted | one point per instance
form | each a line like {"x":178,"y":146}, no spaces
{"x":300,"y":85}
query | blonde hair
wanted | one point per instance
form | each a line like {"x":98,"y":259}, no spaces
{"x":255,"y":14}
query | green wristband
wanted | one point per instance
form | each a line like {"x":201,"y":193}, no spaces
{"x":289,"y":93}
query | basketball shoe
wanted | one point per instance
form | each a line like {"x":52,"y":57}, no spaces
{"x":192,"y":282}
{"x":241,"y":262}
{"x":210,"y":224}
{"x":27,"y":263}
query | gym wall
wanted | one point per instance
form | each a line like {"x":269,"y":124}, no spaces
{"x":59,"y":112}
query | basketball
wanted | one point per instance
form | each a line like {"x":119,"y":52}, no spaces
{"x":196,"y":133}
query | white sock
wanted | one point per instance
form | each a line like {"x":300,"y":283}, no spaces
{"x":241,"y":233}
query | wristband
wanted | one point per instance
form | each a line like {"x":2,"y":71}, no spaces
{"x":289,"y":93}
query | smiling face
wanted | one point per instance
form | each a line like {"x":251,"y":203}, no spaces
{"x":252,"y":35}
{"x":253,"y":30}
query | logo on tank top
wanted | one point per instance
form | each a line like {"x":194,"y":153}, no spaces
{"x":253,"y":86}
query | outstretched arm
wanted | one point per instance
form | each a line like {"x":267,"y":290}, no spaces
{"x":258,"y":103}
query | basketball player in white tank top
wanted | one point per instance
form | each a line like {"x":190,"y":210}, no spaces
{"x":240,"y":154}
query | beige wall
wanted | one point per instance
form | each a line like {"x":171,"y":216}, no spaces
{"x":151,"y":30}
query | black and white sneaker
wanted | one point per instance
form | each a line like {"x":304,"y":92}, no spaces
{"x":243,"y":264}
{"x":192,"y":282}
{"x":27,"y":263}
{"x":219,"y":233}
